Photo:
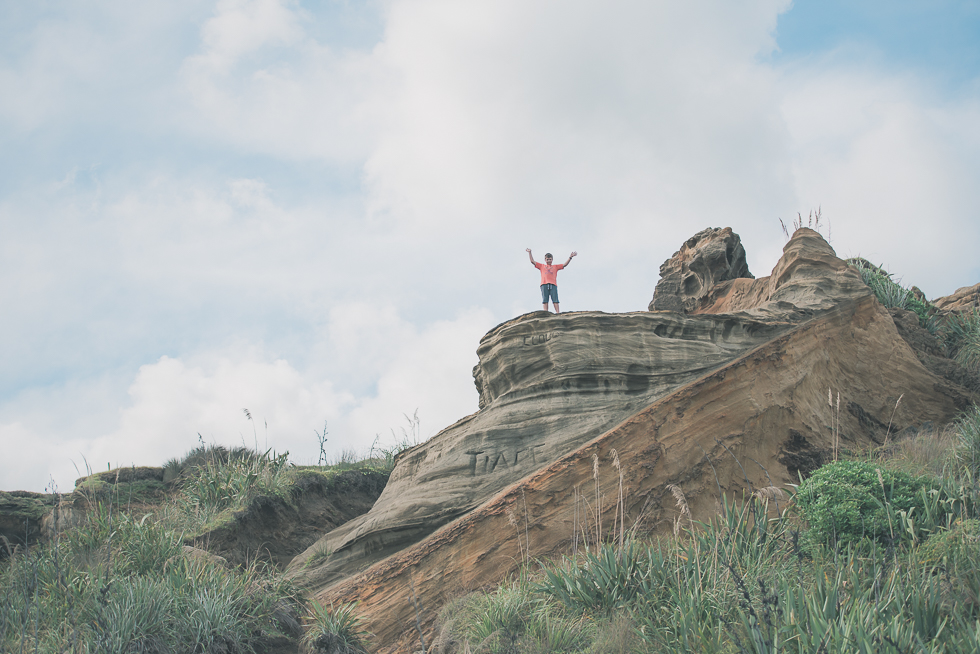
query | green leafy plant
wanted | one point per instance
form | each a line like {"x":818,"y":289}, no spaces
{"x":337,"y":630}
{"x":605,"y":580}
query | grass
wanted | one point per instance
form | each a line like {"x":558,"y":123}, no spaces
{"x":334,"y":630}
{"x":961,"y":336}
{"x":744,"y":582}
{"x":958,"y":332}
{"x":121,"y":584}
{"x":120,"y":580}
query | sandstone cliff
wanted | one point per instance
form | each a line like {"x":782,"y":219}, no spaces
{"x":726,"y":394}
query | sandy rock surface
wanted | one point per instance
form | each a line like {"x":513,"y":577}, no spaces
{"x":709,"y":257}
{"x":964,"y":299}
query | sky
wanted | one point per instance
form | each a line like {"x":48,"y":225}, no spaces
{"x":313,"y":211}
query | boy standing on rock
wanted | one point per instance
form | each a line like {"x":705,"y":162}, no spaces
{"x":549,"y":277}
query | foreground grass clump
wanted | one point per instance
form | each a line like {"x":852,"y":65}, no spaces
{"x":117,"y":577}
{"x":731,"y":586}
{"x":337,"y":630}
{"x":118,"y":584}
{"x":756,"y":579}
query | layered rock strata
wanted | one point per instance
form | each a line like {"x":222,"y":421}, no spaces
{"x":728,"y":396}
{"x":547,"y":385}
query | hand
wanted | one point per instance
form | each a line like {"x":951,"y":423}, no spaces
{"x":574,"y":254}
{"x":528,"y":250}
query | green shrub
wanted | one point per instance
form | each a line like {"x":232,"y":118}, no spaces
{"x":847,"y":501}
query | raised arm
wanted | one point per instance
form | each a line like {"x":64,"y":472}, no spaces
{"x":530,"y":256}
{"x":573,"y":254}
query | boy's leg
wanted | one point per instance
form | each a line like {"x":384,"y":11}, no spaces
{"x":557,"y":310}
{"x":544,"y":307}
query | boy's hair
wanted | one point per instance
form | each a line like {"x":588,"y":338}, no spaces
{"x":548,"y":254}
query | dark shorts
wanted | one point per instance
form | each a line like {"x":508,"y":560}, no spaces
{"x":549,"y":290}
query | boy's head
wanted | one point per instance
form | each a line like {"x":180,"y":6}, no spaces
{"x":548,"y":258}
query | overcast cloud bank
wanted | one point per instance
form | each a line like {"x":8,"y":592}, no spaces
{"x":315,"y":212}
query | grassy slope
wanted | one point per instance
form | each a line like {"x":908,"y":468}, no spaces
{"x":120,"y":579}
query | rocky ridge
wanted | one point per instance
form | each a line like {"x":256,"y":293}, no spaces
{"x":725,"y":394}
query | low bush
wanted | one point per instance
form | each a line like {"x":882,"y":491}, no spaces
{"x":847,"y":501}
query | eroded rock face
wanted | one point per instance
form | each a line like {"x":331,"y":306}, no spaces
{"x":548,"y":383}
{"x":768,"y":407}
{"x":964,"y":299}
{"x":746,"y":363}
{"x":711,"y":256}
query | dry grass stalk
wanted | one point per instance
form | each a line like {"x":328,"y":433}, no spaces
{"x":881,"y":482}
{"x":834,"y":421}
{"x":890,"y":419}
{"x":682,"y":505}
{"x":621,"y":502}
{"x":527,"y":533}
{"x":517,"y":527}
{"x":598,"y":499}
{"x":770,"y":493}
{"x":575,"y":520}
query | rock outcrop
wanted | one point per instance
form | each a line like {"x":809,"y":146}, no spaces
{"x":964,"y":299}
{"x":711,"y":256}
{"x":547,"y":385}
{"x":21,"y":516}
{"x":726,"y":395}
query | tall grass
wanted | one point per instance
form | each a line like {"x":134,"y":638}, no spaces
{"x":961,"y":337}
{"x":122,"y":582}
{"x":220,"y":485}
{"x":744,"y":582}
{"x":335,"y":630}
{"x":118,"y":584}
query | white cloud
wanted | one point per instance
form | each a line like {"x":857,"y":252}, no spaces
{"x":891,"y":165}
{"x":174,"y":399}
{"x":240,"y":27}
{"x":346,"y":223}
{"x":430,"y":371}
